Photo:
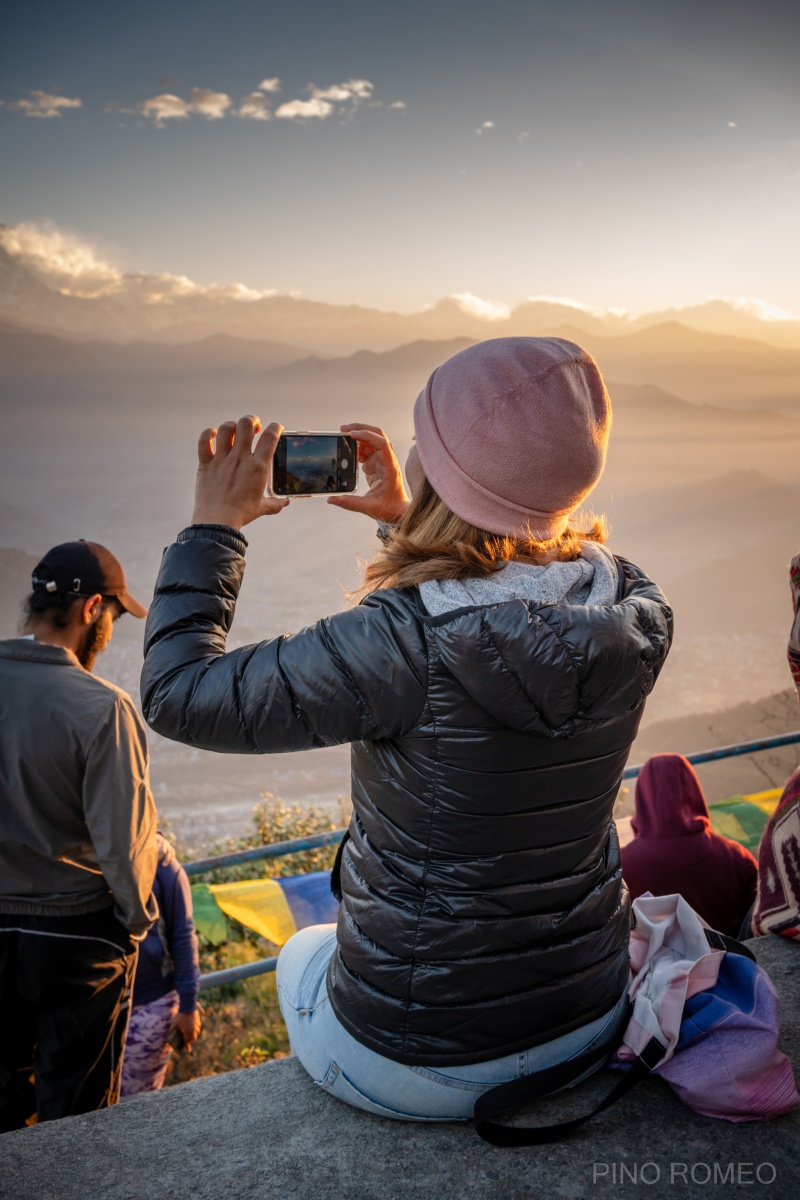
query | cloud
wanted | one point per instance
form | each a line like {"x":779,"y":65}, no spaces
{"x":568,"y":302}
{"x":303,"y":109}
{"x":211,"y":105}
{"x":45,"y":104}
{"x":203,"y":101}
{"x":354,"y":90}
{"x":484,"y":125}
{"x":361,"y":88}
{"x":321,"y":103}
{"x":165,"y":107}
{"x":58,"y":255}
{"x":73,"y":267}
{"x":254,"y":107}
{"x":754,"y":306}
{"x":336,"y":91}
{"x":485,"y":310}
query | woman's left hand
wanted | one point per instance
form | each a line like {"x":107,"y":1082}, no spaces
{"x":386,"y":499}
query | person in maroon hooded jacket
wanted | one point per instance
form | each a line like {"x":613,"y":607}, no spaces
{"x":676,"y":850}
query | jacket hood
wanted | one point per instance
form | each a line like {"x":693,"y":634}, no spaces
{"x":669,"y":799}
{"x":557,"y":669}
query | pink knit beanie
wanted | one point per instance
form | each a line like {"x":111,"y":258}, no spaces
{"x":512,"y":433}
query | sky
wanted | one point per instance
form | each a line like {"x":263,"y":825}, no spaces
{"x":632,"y":155}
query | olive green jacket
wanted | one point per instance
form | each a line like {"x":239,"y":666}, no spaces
{"x":77,"y":819}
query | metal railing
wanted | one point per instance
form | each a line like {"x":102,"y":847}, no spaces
{"x":274,"y":850}
{"x":261,"y":966}
{"x":264,"y":965}
{"x":704,"y":756}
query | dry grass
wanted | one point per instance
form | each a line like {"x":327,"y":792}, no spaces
{"x":242,"y":1024}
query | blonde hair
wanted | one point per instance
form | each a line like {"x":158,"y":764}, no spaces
{"x":431,"y":542}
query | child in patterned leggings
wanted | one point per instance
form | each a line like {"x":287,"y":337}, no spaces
{"x":166,"y":985}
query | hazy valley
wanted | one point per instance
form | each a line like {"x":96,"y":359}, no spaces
{"x":701,"y":488}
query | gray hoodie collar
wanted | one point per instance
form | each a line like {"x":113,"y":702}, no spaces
{"x":591,"y":579}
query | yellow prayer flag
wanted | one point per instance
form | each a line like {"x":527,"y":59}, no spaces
{"x":260,"y":904}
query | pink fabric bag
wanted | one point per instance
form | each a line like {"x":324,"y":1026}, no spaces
{"x":671,"y":960}
{"x":715,"y":1013}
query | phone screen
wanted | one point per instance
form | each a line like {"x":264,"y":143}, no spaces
{"x":312,"y":464}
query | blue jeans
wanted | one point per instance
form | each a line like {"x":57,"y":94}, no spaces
{"x":343,"y":1067}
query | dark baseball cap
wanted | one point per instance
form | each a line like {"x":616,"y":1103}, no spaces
{"x":84,"y":569}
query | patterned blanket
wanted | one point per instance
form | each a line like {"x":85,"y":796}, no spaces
{"x":778,"y":899}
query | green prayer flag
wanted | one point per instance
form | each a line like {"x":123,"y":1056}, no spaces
{"x":739,"y":820}
{"x":209,"y":919}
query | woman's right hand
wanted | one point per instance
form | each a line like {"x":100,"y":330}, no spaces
{"x":386,"y":499}
{"x":232,"y":476}
{"x":189,"y":1025}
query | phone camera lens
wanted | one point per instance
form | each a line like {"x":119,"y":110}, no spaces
{"x":345,"y":464}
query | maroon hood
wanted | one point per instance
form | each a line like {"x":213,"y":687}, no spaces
{"x":669,"y":799}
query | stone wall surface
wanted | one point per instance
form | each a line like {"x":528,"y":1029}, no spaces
{"x":268,"y":1132}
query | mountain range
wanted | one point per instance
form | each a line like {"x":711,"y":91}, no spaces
{"x":703,"y":368}
{"x":130,"y":307}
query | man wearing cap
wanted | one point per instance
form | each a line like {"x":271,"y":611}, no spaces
{"x":78,"y":848}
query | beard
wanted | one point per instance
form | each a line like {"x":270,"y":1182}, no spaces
{"x":94,"y":643}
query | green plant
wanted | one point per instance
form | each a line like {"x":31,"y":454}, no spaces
{"x":276,"y":821}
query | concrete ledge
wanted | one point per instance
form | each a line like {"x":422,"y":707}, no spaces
{"x":269,"y":1132}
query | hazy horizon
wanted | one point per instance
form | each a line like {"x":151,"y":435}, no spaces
{"x":72,"y":263}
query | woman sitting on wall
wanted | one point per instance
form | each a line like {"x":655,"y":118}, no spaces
{"x":491,"y":682}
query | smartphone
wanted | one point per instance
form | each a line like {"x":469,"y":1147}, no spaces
{"x":314,"y":464}
{"x":176,"y":1040}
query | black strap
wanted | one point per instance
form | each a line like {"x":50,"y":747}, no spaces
{"x":721,"y":941}
{"x":336,"y":870}
{"x":528,"y":1135}
{"x":508,"y":1096}
{"x":543,"y":1083}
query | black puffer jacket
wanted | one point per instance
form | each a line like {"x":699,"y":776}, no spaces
{"x":483,"y":905}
